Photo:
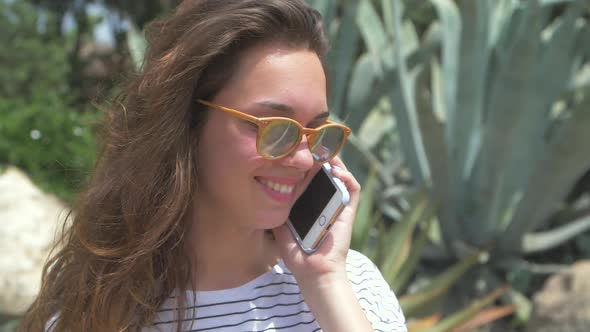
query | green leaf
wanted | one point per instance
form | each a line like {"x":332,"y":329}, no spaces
{"x":566,"y":151}
{"x":438,"y":286}
{"x":467,"y":313}
{"x":437,"y":150}
{"x":469,"y":86}
{"x":408,"y":268}
{"x":517,"y":111}
{"x":343,"y":56}
{"x":404,"y":105}
{"x":10,"y":326}
{"x":535,"y":242}
{"x":584,"y":43}
{"x":377,"y":124}
{"x":359,"y":103}
{"x":400,"y":235}
{"x":556,"y":59}
{"x":371,"y":247}
{"x":364,"y":221}
{"x":500,"y":22}
{"x":371,"y":28}
{"x":522,"y":306}
{"x":388,"y":16}
{"x":450,"y":21}
{"x":326,"y":8}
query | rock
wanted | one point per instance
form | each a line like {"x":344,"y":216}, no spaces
{"x":29,"y":220}
{"x":563,"y":305}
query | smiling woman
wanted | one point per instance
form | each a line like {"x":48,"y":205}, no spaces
{"x":214,"y":141}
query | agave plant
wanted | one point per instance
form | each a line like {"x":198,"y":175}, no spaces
{"x":488,"y":103}
{"x":490,"y":108}
{"x":397,"y":249}
{"x":496,"y":123}
{"x":485,"y":106}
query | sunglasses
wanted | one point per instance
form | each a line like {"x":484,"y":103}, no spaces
{"x":277,"y":137}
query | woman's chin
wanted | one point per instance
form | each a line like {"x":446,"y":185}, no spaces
{"x":272,"y":220}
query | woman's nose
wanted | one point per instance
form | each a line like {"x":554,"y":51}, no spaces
{"x":301,"y":157}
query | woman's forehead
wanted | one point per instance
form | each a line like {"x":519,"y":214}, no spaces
{"x":277,"y":78}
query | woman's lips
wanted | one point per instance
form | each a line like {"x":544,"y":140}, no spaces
{"x":279,"y":189}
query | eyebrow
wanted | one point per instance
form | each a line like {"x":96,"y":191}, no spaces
{"x":288,"y":110}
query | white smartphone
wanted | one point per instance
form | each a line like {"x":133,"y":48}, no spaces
{"x":317,"y":208}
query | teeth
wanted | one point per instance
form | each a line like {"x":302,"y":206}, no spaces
{"x":282,"y":188}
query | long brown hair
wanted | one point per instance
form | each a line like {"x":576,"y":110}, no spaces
{"x":124,"y":252}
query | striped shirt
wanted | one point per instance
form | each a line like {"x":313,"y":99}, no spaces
{"x":273,"y":302}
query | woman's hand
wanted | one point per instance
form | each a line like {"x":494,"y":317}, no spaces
{"x":322,"y":275}
{"x":330,"y":257}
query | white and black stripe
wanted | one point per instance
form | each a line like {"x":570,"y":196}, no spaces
{"x":273,"y":302}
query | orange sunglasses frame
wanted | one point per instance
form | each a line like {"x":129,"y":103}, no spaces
{"x":262,"y":123}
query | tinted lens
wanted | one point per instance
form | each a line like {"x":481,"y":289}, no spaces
{"x":326,"y":143}
{"x":278,"y":138}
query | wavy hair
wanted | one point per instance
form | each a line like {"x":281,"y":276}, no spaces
{"x":123,"y":254}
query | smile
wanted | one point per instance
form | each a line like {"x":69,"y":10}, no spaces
{"x":281,"y":188}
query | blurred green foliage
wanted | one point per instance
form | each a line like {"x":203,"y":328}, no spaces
{"x":41,"y":130}
{"x":9,"y":326}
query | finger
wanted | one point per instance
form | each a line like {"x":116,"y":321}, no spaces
{"x":338,"y":167}
{"x":337,"y":162}
{"x":353,"y":188}
{"x":348,"y":179}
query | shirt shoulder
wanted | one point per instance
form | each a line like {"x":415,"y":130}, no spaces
{"x":374,"y":294}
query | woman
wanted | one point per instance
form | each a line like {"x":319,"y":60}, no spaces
{"x":172,"y":232}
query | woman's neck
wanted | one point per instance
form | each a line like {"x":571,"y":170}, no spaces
{"x":225,"y":256}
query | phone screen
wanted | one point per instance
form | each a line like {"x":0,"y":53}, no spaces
{"x":311,"y":203}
